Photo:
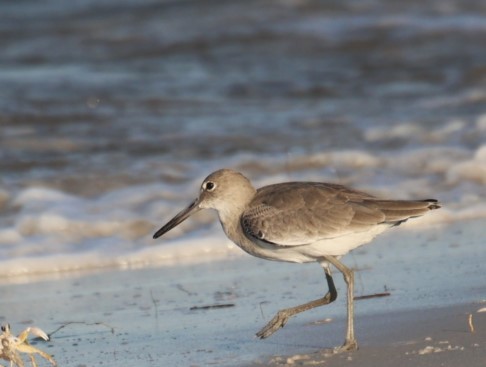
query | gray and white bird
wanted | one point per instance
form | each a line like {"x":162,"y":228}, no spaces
{"x":300,"y":222}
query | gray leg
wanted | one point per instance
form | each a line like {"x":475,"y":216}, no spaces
{"x":348,"y":274}
{"x":283,"y":316}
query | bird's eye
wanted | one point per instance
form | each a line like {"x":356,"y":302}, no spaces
{"x":209,"y":186}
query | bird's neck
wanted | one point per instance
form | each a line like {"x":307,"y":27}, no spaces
{"x":230,"y":215}
{"x":232,"y":227}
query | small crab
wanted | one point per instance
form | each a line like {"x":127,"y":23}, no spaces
{"x":11,"y":345}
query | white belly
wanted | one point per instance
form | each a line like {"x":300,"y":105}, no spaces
{"x":337,"y":247}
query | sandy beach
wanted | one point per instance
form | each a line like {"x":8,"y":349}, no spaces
{"x":421,"y":337}
{"x":208,"y":313}
{"x":113,"y":112}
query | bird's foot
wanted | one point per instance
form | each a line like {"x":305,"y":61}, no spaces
{"x":276,"y":323}
{"x":348,"y":346}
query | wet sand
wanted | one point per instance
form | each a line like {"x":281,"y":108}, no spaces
{"x":160,"y":316}
{"x":421,"y":337}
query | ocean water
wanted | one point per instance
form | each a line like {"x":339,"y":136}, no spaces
{"x":112,"y":112}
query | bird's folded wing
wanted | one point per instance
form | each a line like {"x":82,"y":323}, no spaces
{"x":303,"y":214}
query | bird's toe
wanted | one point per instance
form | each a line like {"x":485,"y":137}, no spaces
{"x":276,"y":323}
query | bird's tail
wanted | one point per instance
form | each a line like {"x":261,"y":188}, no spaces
{"x":399,"y":211}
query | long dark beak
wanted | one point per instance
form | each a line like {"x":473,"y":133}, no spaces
{"x":179,"y":218}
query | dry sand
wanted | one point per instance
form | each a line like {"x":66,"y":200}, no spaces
{"x":143,"y":317}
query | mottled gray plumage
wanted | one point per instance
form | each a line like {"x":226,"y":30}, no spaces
{"x":300,"y":213}
{"x":300,"y":222}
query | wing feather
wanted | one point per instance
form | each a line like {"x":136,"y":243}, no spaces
{"x":297,"y":213}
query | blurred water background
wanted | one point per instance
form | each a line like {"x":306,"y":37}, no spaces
{"x":112,"y":112}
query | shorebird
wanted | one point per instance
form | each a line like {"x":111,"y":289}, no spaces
{"x":300,"y":222}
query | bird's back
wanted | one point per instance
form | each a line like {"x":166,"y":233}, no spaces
{"x":300,"y":213}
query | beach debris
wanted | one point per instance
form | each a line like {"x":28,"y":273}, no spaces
{"x":211,"y":307}
{"x":322,"y":321}
{"x":295,"y":360}
{"x":441,"y":346}
{"x":429,"y":349}
{"x":182,"y":289}
{"x":375,"y":295}
{"x":112,"y":329}
{"x":470,"y":322}
{"x":11,"y":346}
{"x":156,"y":308}
{"x":261,"y":308}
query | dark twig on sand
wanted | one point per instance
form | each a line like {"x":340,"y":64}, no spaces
{"x":156,"y":303}
{"x":210,"y":307}
{"x":181,"y":288}
{"x":112,"y":329}
{"x":375,"y":295}
{"x":261,"y":309}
